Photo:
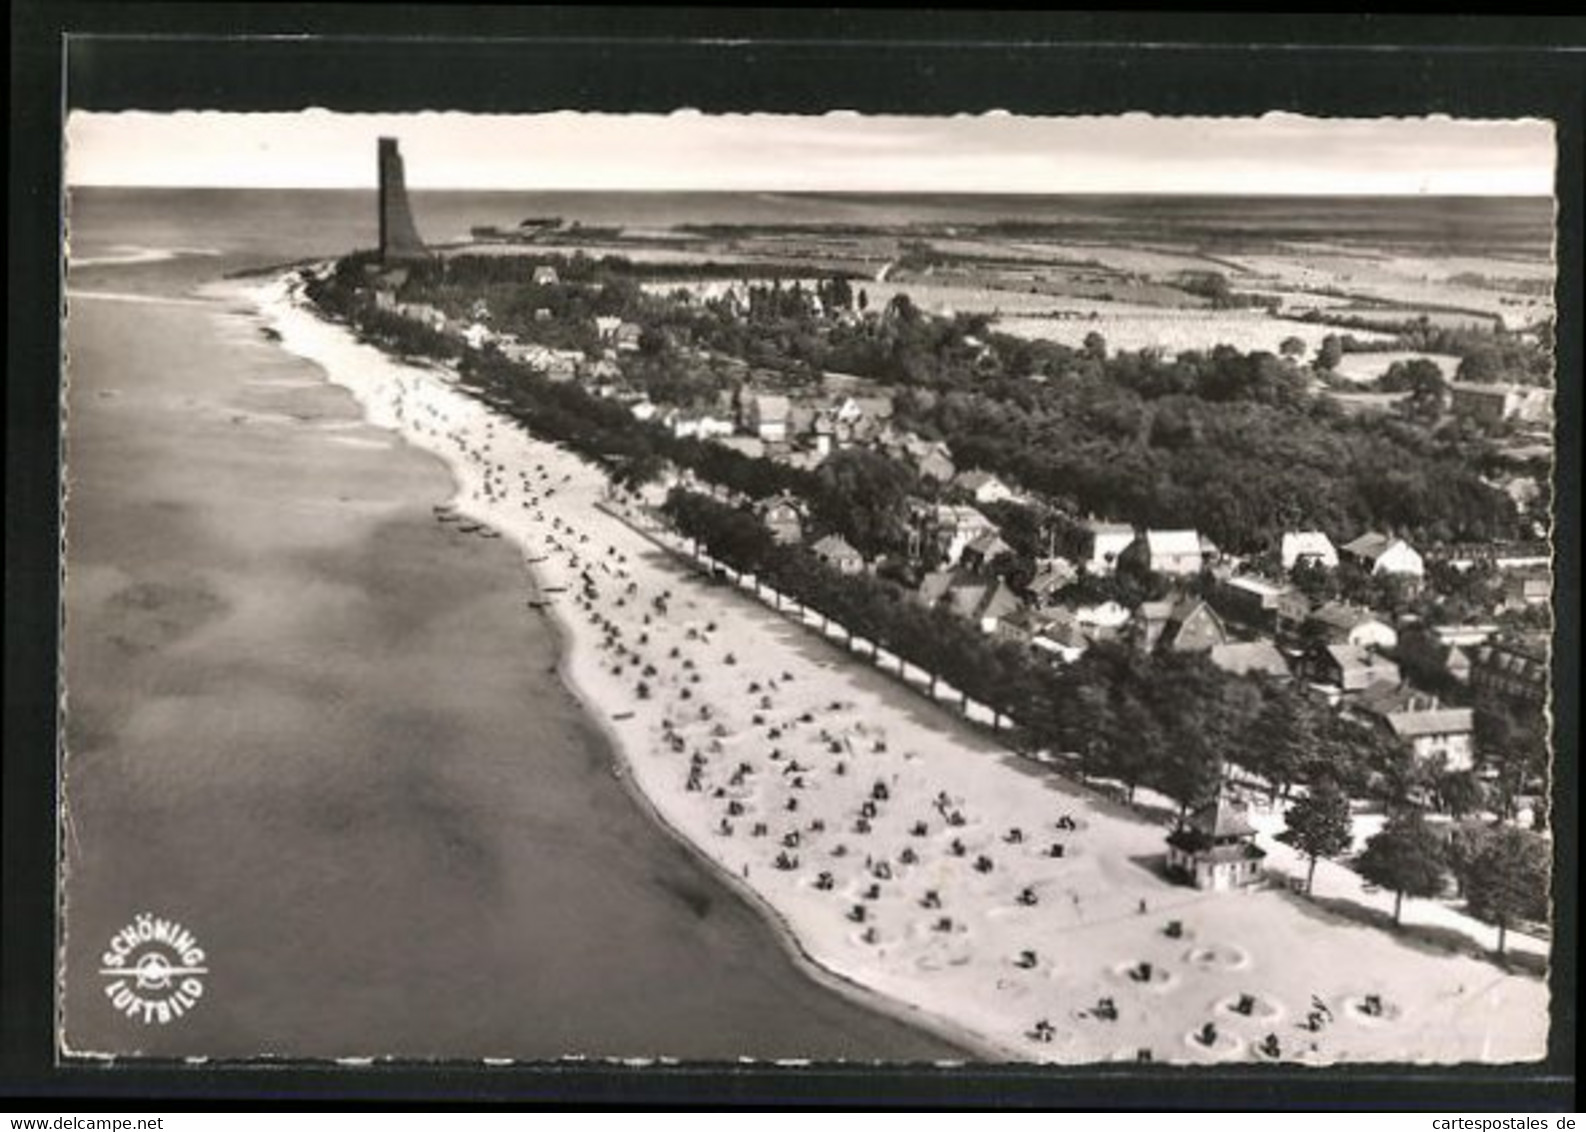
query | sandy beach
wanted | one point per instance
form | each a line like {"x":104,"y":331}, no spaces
{"x":908,"y":858}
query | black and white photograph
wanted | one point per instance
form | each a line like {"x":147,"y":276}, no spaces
{"x":965,"y":589}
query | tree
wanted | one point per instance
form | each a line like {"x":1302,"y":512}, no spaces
{"x":1465,"y":842}
{"x":1292,"y":347}
{"x":1507,"y":879}
{"x":1330,"y":354}
{"x":861,"y":494}
{"x":1406,"y":856}
{"x":1319,"y":826}
{"x":1459,"y":792}
{"x":1483,"y":365}
{"x":1095,"y":346}
{"x":1423,"y":381}
{"x":1284,"y":739}
{"x":1513,"y":746}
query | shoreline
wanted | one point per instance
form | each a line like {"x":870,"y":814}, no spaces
{"x":624,"y":768}
{"x":781,"y":929}
{"x":926,"y":985}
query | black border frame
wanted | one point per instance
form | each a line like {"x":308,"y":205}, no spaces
{"x":391,"y":57}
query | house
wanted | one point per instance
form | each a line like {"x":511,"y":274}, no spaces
{"x":1431,"y":730}
{"x":1101,"y":622}
{"x":705,"y":426}
{"x":954,"y":527}
{"x":1183,"y":625}
{"x":1250,"y":658}
{"x":1492,"y":403}
{"x":1515,"y":669}
{"x":1339,"y":623}
{"x":1499,"y":555}
{"x":1104,"y":543}
{"x":1438,"y":734}
{"x":627,"y":336}
{"x":600,"y":371}
{"x":1216,"y":848}
{"x":985,"y":602}
{"x":935,"y":586}
{"x":1052,"y":577}
{"x":997,"y":602}
{"x":847,"y":411}
{"x":643,"y":409}
{"x":983,"y":487}
{"x":768,"y":416}
{"x":1059,"y":634}
{"x":1353,"y":668}
{"x":1054,"y":632}
{"x":1175,"y":553}
{"x":800,"y":418}
{"x":875,"y":409}
{"x":606,"y":327}
{"x":1274,"y":607}
{"x":1527,"y":587}
{"x":1312,"y":548}
{"x":935,"y":463}
{"x":558,"y":365}
{"x":478,"y":336}
{"x":1148,"y":621}
{"x":835,"y":384}
{"x":1463,"y":635}
{"x":835,"y":552}
{"x":431,"y":316}
{"x":545,"y":276}
{"x":983,"y":550}
{"x":783,"y":516}
{"x":1193,"y":627}
{"x":1384,"y":554}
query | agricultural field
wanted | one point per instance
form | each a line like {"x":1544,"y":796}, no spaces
{"x":1362,"y":369}
{"x":1507,"y":293}
{"x":1361,"y":404}
{"x":1174,"y":331}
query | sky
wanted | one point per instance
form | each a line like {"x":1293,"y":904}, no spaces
{"x":1276,"y":154}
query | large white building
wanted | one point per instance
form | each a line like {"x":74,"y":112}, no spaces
{"x":1385,"y":554}
{"x":1312,"y":547}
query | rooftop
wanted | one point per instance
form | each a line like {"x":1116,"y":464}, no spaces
{"x":1245,"y":657}
{"x":1173,"y":542}
{"x":1437,"y":721}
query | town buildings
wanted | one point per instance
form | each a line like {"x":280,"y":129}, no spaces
{"x":1383,"y":554}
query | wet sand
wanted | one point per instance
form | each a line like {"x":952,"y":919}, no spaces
{"x":322,"y":731}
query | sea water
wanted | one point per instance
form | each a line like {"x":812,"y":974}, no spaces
{"x":323,"y":732}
